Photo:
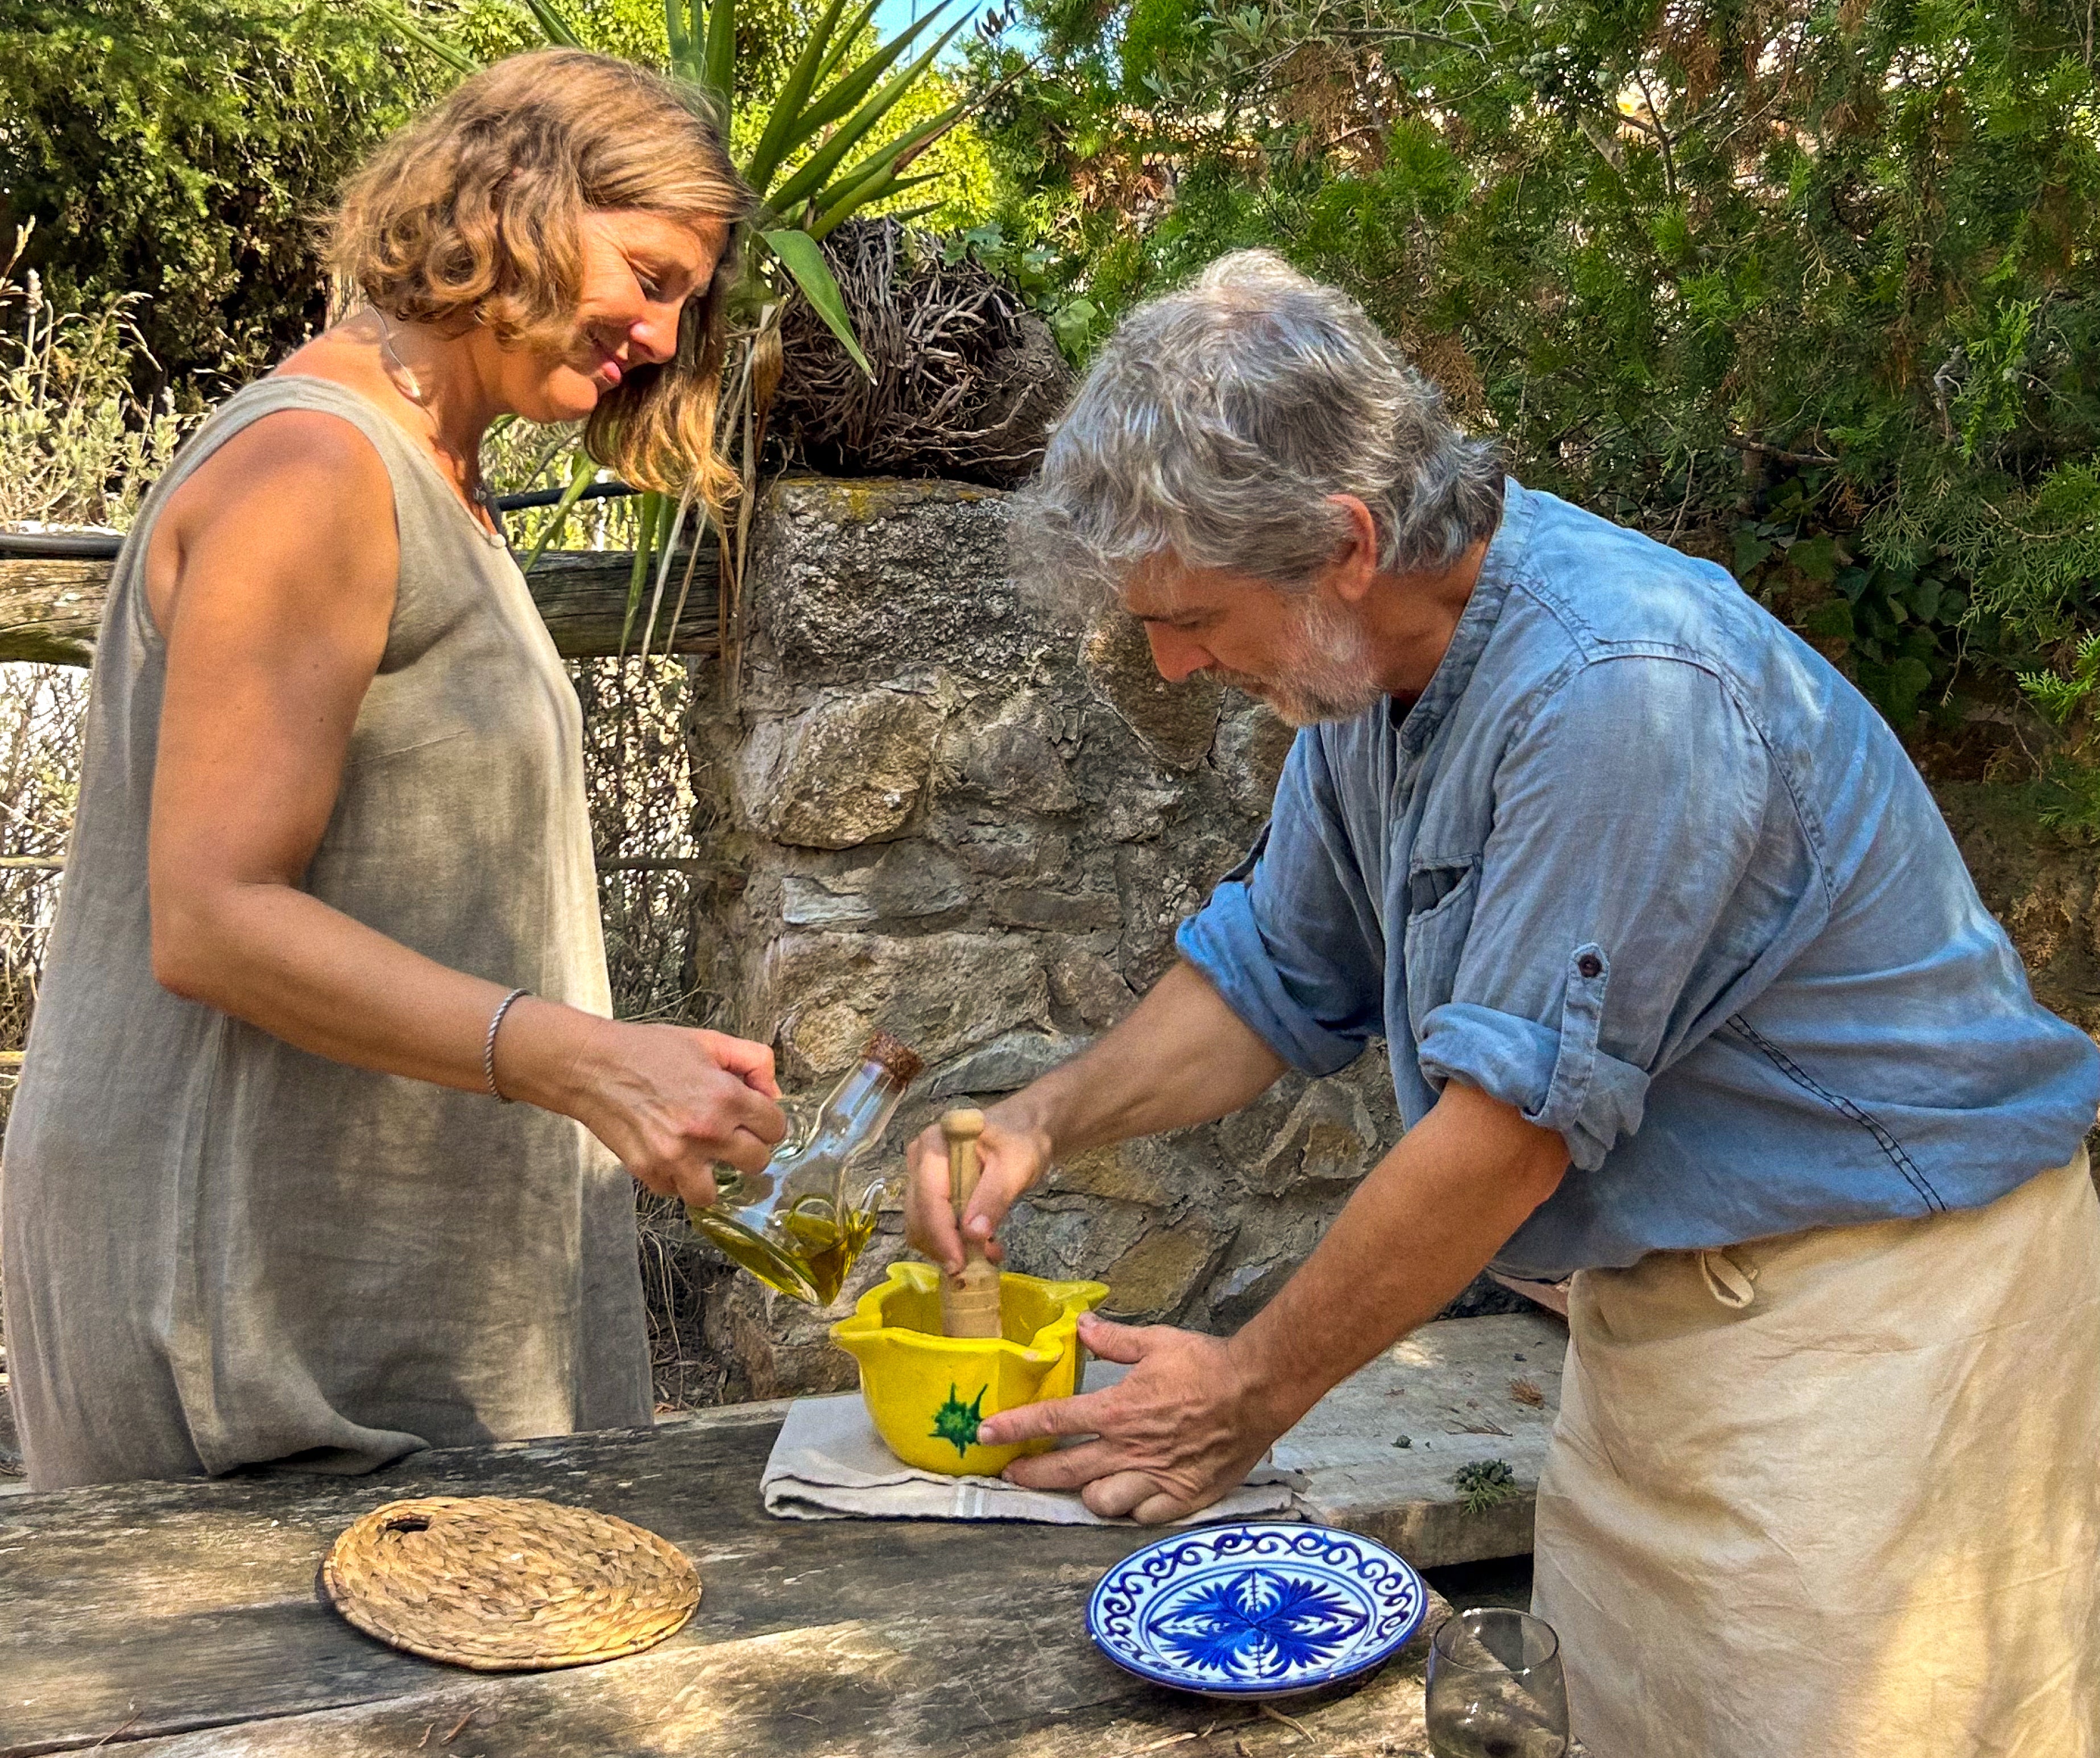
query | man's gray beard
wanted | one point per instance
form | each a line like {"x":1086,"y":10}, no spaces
{"x":1326,"y":673}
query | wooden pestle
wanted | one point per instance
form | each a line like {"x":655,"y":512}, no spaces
{"x":969,"y":1302}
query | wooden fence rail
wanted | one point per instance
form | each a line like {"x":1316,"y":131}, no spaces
{"x":50,"y":609}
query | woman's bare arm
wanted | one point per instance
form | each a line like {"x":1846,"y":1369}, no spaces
{"x":271,"y":576}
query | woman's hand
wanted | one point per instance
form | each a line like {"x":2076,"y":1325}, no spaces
{"x":670,"y":1102}
{"x":1014,"y":1151}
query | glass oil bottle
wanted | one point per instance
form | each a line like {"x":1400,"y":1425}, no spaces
{"x":797,"y":1225}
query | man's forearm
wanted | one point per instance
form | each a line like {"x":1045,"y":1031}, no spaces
{"x":1181,"y":1057}
{"x":1422,"y":1225}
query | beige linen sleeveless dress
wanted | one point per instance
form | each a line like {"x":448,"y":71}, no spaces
{"x":219,"y":1250}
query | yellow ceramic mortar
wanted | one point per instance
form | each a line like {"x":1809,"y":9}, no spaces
{"x":926,"y":1392}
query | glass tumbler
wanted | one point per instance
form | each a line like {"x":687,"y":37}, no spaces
{"x":1496,"y":1688}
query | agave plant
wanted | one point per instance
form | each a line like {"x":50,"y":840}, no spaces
{"x":820,"y":158}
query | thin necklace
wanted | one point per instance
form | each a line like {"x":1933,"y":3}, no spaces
{"x":476,"y":490}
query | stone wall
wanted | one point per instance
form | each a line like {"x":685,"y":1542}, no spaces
{"x":941,"y":809}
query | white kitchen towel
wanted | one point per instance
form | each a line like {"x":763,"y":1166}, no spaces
{"x":829,"y":1464}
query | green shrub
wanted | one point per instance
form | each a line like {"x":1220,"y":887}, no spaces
{"x":77,"y":446}
{"x":1809,"y":286}
{"x":180,"y":150}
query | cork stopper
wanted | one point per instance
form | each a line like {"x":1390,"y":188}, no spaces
{"x":903,"y":1062}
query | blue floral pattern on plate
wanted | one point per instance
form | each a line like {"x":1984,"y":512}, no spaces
{"x":1260,"y":1609}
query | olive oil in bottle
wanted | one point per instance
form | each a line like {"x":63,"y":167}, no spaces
{"x":796,"y":1225}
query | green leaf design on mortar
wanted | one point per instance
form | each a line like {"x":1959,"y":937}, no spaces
{"x":958,"y":1422}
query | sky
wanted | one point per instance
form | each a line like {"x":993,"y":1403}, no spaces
{"x":893,"y":15}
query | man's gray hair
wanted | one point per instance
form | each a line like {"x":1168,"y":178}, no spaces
{"x":1216,"y":422}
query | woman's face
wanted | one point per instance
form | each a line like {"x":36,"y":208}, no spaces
{"x":638,"y":270}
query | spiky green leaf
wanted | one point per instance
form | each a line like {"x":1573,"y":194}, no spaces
{"x":719,"y":70}
{"x":557,"y":30}
{"x":889,"y":184}
{"x":804,"y":258}
{"x":791,"y":101}
{"x":429,"y":42}
{"x":888,"y":161}
{"x":579,"y":479}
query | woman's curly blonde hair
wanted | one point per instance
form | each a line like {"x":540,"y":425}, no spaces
{"x":474,"y":213}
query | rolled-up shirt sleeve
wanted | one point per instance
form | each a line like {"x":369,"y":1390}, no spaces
{"x":1628,"y":810}
{"x":1291,"y":939}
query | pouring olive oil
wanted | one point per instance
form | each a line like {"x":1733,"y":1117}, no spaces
{"x":796,"y":1225}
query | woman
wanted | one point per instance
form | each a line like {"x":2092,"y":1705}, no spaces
{"x":330,"y":904}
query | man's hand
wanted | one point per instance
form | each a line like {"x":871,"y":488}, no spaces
{"x":1180,"y":1430}
{"x":1181,"y":1057}
{"x":1195,"y":1412}
{"x":1013,"y":1151}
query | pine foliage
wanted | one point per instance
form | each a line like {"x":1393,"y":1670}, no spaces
{"x":1810,"y":284}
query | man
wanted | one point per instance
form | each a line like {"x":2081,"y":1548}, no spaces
{"x":1685,"y":990}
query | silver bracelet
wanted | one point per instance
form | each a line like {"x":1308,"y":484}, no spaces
{"x":488,"y":1044}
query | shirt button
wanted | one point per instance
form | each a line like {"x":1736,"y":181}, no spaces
{"x":1590,"y":965}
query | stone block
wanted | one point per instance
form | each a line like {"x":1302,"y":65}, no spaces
{"x":1011,"y":761}
{"x":1090,"y":986}
{"x":849,"y":770}
{"x":1151,"y":1281}
{"x":1006,"y":847}
{"x":1264,"y":1258}
{"x":1157,"y":891}
{"x":1139,"y":814}
{"x":1068,"y":1238}
{"x":1175,"y":722}
{"x":911,"y":881}
{"x":1005,"y":1065}
{"x":944,"y":993}
{"x":1328,"y":1143}
{"x":1148,"y":1171}
{"x":865,"y":578}
{"x":1252,"y":744}
{"x":1058,"y":911}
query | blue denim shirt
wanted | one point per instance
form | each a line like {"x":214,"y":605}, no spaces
{"x":1642,"y":864}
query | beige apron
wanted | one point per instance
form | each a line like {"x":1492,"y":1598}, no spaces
{"x":1837,"y":1495}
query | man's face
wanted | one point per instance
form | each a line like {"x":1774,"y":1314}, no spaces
{"x":1305,"y":654}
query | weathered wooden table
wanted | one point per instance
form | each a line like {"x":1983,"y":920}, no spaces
{"x":183,"y":1618}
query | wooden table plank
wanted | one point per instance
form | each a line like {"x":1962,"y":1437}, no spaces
{"x":1459,"y":1391}
{"x":186,"y":1616}
{"x":938,"y":1682}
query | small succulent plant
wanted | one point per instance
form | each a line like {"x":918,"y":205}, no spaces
{"x":1485,"y":1484}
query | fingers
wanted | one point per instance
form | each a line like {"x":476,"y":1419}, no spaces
{"x":1008,"y":1162}
{"x":1121,"y":1494}
{"x":752,"y":1110}
{"x":740,"y":1149}
{"x":750,"y":1063}
{"x":658,"y":1180}
{"x":1083,"y":1415}
{"x":1110,"y":1341}
{"x":1068,"y":1468}
{"x":694,"y":1181}
{"x":1161,"y":1508}
{"x":929,"y":1220}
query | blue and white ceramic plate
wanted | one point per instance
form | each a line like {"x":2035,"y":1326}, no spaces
{"x":1259,"y":1608}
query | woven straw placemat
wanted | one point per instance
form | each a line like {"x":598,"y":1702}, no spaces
{"x":506,"y":1585}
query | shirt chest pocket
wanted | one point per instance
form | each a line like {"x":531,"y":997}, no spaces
{"x":1440,"y":896}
